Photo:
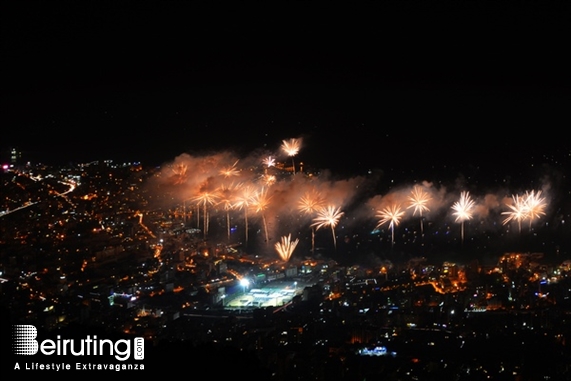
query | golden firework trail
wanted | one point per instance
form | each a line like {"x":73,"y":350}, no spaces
{"x":391,"y":214}
{"x":269,"y":162}
{"x":517,"y":211}
{"x":291,"y":147}
{"x":261,"y":201}
{"x":328,"y":216}
{"x":418,"y":200}
{"x":268,"y":180}
{"x":463,"y":210}
{"x":286,"y":247}
{"x":230,"y":171}
{"x":535,"y":206}
{"x":179,"y":171}
{"x":310,"y":203}
{"x":227,"y":194}
{"x":242,"y":202}
{"x":206,"y":198}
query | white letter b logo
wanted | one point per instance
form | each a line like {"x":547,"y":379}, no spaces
{"x":24,"y":336}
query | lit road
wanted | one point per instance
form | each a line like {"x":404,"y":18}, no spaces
{"x":71,"y":185}
{"x":6,"y":212}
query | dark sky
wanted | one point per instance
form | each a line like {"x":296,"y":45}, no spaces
{"x":395,"y":84}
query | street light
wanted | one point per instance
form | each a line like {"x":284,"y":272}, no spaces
{"x":223,"y":296}
{"x":245,"y":283}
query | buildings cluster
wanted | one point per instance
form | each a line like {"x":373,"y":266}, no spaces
{"x":86,"y":247}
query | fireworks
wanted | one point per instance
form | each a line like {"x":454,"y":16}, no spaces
{"x":286,"y":247}
{"x":463,"y":209}
{"x":179,"y":171}
{"x":227,"y":195}
{"x":291,"y":147}
{"x":535,"y":206}
{"x":268,"y":180}
{"x":328,"y":216}
{"x":517,"y":211}
{"x":230,"y":171}
{"x":206,"y":198}
{"x":529,"y":207}
{"x":242,"y":201}
{"x":261,"y":201}
{"x":418,"y":200}
{"x":269,"y":162}
{"x":391,"y":214}
{"x":310,"y":203}
{"x":213,"y":180}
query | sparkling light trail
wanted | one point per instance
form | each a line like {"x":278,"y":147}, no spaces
{"x":328,"y":216}
{"x":230,"y":171}
{"x":268,"y":179}
{"x":291,"y":147}
{"x":391,"y":214}
{"x":286,"y":247}
{"x":206,"y":180}
{"x":535,"y":205}
{"x":206,"y":198}
{"x":517,"y":211}
{"x":269,"y":162}
{"x":463,"y":210}
{"x":242,"y":202}
{"x":310,"y":203}
{"x":227,"y":194}
{"x":261,"y":201}
{"x":418,"y":200}
{"x":179,"y":171}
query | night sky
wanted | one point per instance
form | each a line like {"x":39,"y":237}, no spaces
{"x":402,"y":86}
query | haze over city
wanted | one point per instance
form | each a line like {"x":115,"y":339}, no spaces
{"x":223,"y":184}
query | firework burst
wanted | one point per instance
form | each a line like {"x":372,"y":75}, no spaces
{"x":286,"y":247}
{"x":291,"y":147}
{"x":227,"y":195}
{"x":269,"y":162}
{"x":242,"y":201}
{"x":230,"y":171}
{"x":535,"y":205}
{"x":309,"y":204}
{"x":180,"y":175}
{"x":463,"y":210}
{"x":418,"y":200}
{"x":261,"y":201}
{"x":206,"y":198}
{"x":328,"y":216}
{"x":268,"y":179}
{"x":391,"y":214}
{"x":517,"y":211}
